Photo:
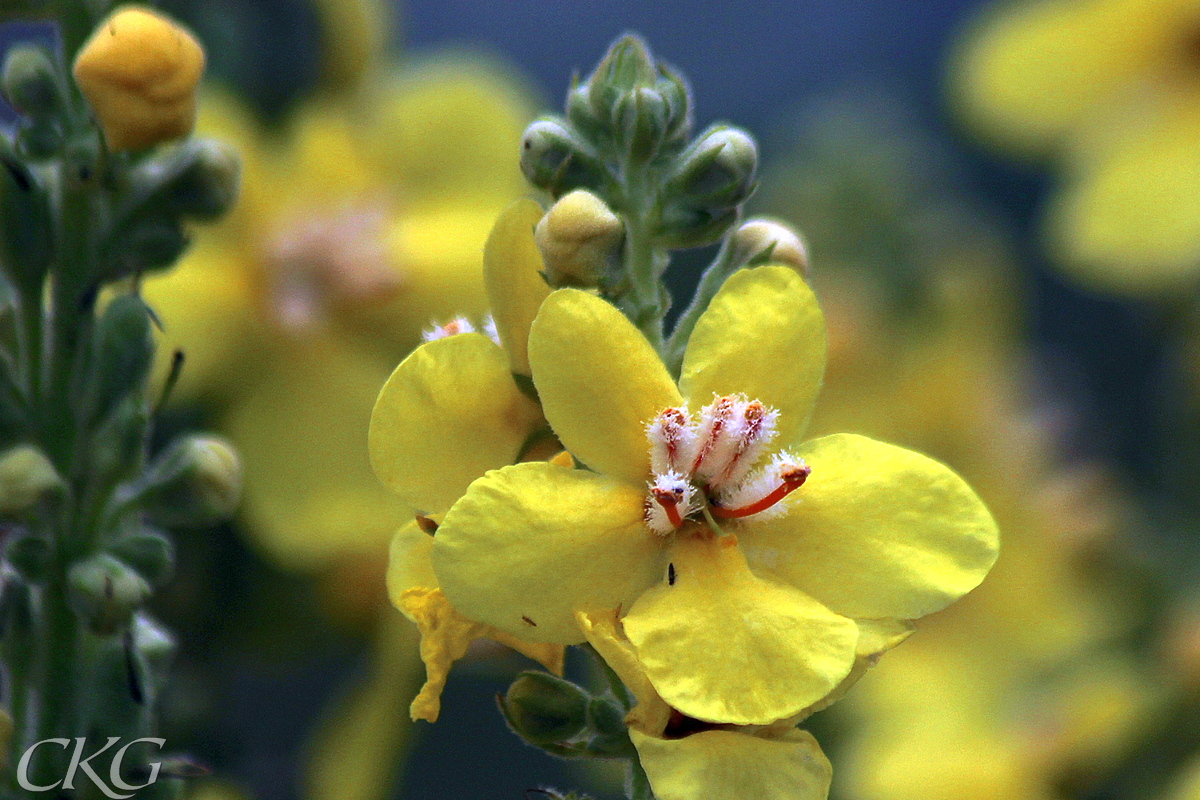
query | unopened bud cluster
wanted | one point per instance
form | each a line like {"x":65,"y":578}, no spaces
{"x":563,"y":718}
{"x":633,"y":115}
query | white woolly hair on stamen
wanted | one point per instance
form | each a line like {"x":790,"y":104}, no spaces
{"x":718,"y":447}
{"x":760,"y":484}
{"x":665,"y":434}
{"x":490,"y":330}
{"x":750,"y":450}
{"x":451,"y":328}
{"x":676,"y":484}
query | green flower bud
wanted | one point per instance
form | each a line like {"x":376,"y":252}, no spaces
{"x":555,"y":159}
{"x":30,"y":82}
{"x":155,"y":242}
{"x":678,"y":97}
{"x":762,"y":240}
{"x":578,"y":237}
{"x":626,"y":66}
{"x":195,"y":482}
{"x":26,"y":478}
{"x":123,"y":354}
{"x":29,"y":554}
{"x":544,"y":709}
{"x":717,"y":170}
{"x":641,"y":118}
{"x":151,"y":553}
{"x":682,"y":225}
{"x":198,"y":179}
{"x":104,"y":592}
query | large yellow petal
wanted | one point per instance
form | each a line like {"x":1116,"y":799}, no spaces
{"x":1034,"y":70}
{"x":448,"y":414}
{"x":512,"y":267}
{"x":763,"y":335}
{"x":1130,"y":220}
{"x":877,"y":531}
{"x":310,"y":494}
{"x":731,"y":765}
{"x":600,"y":382}
{"x":722,"y":645}
{"x":531,"y":544}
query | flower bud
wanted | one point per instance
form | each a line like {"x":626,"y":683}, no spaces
{"x":577,"y":237}
{"x":543,"y":709}
{"x":123,"y":354}
{"x":626,"y":66}
{"x":205,"y":184}
{"x":149,"y":552}
{"x":641,"y":118}
{"x":555,"y":159}
{"x":104,"y":592}
{"x":139,"y":72}
{"x":762,"y":240}
{"x":26,"y":478}
{"x":196,"y":481}
{"x":716,"y":170}
{"x":30,"y":82}
{"x":29,"y":554}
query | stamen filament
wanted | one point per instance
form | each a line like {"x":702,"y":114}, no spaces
{"x":670,"y":504}
{"x":792,"y":480}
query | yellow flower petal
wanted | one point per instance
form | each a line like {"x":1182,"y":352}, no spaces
{"x":877,"y":531}
{"x":445,"y":636}
{"x":529,"y":545}
{"x":1036,"y":69}
{"x":730,"y":765}
{"x":603,"y":631}
{"x":599,"y":381}
{"x":448,"y":414}
{"x":310,"y":493}
{"x":410,"y":564}
{"x":764,"y":335}
{"x":723,"y":645}
{"x":1131,"y":221}
{"x":512,"y":268}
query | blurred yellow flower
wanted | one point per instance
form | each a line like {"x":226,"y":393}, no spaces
{"x":360,"y":224}
{"x":1112,"y":87}
{"x":879,"y":532}
{"x":139,"y":72}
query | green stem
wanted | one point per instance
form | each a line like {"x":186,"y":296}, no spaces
{"x":55,"y":679}
{"x":643,"y":262}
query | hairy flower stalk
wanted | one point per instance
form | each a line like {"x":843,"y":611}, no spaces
{"x":93,"y":195}
{"x":597,"y":479}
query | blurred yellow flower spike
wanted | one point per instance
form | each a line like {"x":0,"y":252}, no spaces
{"x":139,"y":72}
{"x":1110,"y":86}
{"x":819,"y":534}
{"x":343,"y":248}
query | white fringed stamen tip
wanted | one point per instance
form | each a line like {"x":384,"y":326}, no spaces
{"x":453,"y":327}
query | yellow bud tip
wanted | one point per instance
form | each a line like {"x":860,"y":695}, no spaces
{"x":576,"y":237}
{"x":139,"y":72}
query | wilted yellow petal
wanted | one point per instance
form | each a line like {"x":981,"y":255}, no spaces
{"x":877,"y":531}
{"x":723,"y":645}
{"x":448,"y":414}
{"x":603,"y":631}
{"x":763,"y":335}
{"x":512,"y":268}
{"x":730,"y":765}
{"x":599,"y":381}
{"x":445,"y":636}
{"x":529,"y":545}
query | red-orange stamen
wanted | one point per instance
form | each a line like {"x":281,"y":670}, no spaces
{"x":791,"y":480}
{"x":670,"y":504}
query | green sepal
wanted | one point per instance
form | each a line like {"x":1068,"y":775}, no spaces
{"x":26,"y":224}
{"x":544,"y":709}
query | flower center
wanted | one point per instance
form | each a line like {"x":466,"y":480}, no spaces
{"x":328,"y":260}
{"x":709,"y":461}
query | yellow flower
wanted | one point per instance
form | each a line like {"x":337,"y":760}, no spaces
{"x":877,"y":532}
{"x":1111,"y":86}
{"x":685,"y":759}
{"x":358,"y":226}
{"x":139,"y":72}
